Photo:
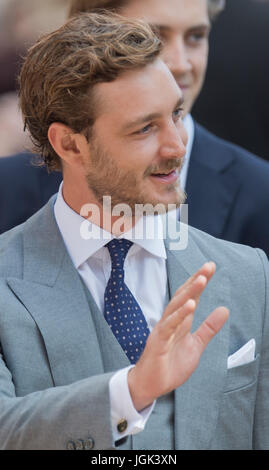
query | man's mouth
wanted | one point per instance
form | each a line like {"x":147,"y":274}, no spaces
{"x":167,"y":177}
{"x":183,"y":85}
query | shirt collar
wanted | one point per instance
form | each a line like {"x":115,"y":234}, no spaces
{"x":83,"y":239}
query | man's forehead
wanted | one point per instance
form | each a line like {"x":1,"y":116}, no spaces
{"x":139,"y":91}
{"x":172,"y":14}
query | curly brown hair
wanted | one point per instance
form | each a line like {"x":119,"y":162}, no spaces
{"x":80,"y":6}
{"x":59,"y":73}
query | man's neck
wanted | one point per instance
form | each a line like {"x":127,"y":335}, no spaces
{"x":98,"y":214}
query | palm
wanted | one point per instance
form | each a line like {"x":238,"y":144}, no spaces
{"x":172,"y":352}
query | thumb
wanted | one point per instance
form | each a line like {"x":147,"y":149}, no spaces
{"x":210,"y":327}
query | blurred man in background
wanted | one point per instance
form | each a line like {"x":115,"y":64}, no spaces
{"x":234,"y":100}
{"x":21,"y":23}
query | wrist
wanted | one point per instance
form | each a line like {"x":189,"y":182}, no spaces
{"x":139,"y":398}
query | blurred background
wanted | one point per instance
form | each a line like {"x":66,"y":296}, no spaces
{"x":21,"y":23}
{"x":234,"y":100}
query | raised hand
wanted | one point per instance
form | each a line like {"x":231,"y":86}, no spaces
{"x":172,"y":352}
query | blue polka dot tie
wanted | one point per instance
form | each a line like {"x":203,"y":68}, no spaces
{"x":122,"y":312}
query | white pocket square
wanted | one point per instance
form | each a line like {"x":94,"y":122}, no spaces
{"x":243,"y":355}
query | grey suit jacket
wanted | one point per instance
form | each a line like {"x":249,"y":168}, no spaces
{"x":53,"y":383}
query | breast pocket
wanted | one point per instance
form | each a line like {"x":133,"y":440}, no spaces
{"x":236,"y":414}
{"x":242,"y":376}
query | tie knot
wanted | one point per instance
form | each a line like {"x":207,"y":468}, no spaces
{"x":118,"y":249}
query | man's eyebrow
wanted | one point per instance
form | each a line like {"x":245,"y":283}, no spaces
{"x":200,"y":27}
{"x":148,"y":117}
{"x":162,"y":28}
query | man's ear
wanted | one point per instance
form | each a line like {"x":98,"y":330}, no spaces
{"x":68,"y":145}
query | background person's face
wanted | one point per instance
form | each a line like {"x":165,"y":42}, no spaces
{"x":138,"y":141}
{"x":184,"y":27}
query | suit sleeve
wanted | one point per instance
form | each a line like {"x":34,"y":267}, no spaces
{"x":261,"y":419}
{"x":52,"y":418}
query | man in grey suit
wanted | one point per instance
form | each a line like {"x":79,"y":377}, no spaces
{"x":95,"y":355}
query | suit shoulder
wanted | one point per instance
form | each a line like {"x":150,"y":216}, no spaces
{"x":11,"y":248}
{"x":229,"y":254}
{"x":247,"y":268}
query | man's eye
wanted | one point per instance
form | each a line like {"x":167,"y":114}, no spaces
{"x":144,"y":129}
{"x":177,"y":113}
{"x":197,"y":38}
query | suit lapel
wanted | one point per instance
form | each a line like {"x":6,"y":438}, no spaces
{"x":53,"y":294}
{"x":211,"y":184}
{"x":198,"y":400}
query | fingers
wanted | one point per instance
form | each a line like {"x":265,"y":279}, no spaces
{"x":179,"y":323}
{"x":191,"y":289}
{"x":210,"y":327}
{"x":170,"y":325}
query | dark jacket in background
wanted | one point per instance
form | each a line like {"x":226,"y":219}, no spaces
{"x":234,"y":101}
{"x":24,"y":189}
{"x":228,"y":191}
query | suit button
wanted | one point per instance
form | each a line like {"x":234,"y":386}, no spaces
{"x":79,"y":444}
{"x":71,"y":445}
{"x":122,"y":425}
{"x":89,"y":444}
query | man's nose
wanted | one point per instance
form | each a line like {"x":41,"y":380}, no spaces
{"x":176,"y":57}
{"x":174,"y":141}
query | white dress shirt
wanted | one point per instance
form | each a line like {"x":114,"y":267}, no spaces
{"x":145,"y":266}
